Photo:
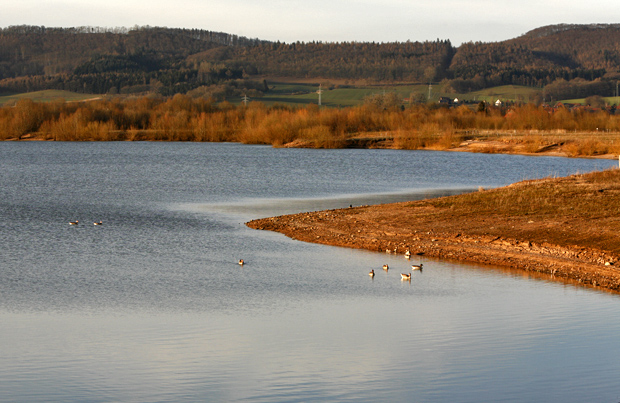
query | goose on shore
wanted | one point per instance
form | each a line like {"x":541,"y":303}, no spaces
{"x":372,"y":273}
{"x":386,"y":267}
{"x":73,"y":222}
{"x":416,"y":267}
{"x":405,"y":276}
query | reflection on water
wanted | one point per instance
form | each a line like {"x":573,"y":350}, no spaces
{"x":453,"y":333}
{"x":258,"y":208}
{"x":152,"y":305}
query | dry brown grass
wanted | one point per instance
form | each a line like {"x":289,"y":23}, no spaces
{"x":182,"y":118}
{"x":576,"y":210}
{"x":531,"y":144}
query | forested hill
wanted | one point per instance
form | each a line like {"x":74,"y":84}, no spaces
{"x":562,"y":58}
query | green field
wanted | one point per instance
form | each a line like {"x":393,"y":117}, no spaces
{"x":46,"y":96}
{"x":296,"y":94}
{"x":299,"y":94}
{"x":608,"y":100}
{"x":335,"y":96}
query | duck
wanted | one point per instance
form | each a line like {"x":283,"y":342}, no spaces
{"x":73,"y":222}
{"x":241,"y":262}
{"x":372,"y":273}
{"x":405,"y":276}
{"x":416,"y":267}
{"x":98,"y":223}
{"x":386,"y":267}
{"x":407,"y":254}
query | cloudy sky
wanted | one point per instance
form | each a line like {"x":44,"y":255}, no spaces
{"x":321,"y":20}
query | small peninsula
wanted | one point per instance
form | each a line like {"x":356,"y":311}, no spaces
{"x":565,"y":228}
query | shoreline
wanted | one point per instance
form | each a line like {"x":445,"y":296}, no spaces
{"x":431,"y":227}
{"x":549,"y":144}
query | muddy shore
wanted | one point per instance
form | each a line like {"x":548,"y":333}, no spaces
{"x":566,"y":228}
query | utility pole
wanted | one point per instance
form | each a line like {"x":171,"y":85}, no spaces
{"x":320,"y":91}
{"x":429,"y":91}
{"x":245,"y":100}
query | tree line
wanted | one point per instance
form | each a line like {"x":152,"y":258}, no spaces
{"x":182,"y":118}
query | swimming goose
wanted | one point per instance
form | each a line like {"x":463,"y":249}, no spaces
{"x":241,"y":262}
{"x":386,"y":267}
{"x":416,"y":267}
{"x":98,"y":223}
{"x":407,"y":254}
{"x":73,"y":222}
{"x":405,"y":276}
{"x":372,"y":273}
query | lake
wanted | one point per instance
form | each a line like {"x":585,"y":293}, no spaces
{"x":152,"y":306}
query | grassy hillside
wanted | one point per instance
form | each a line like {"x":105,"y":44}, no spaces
{"x":46,"y":96}
{"x":299,"y":94}
{"x":303,"y":93}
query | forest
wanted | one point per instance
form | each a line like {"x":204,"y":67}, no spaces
{"x":566,"y":61}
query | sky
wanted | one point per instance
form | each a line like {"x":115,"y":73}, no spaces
{"x":321,"y":20}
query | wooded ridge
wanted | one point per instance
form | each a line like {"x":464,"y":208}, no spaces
{"x":567,"y":59}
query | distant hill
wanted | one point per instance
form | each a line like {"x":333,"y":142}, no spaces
{"x":566,"y":60}
{"x":95,"y":60}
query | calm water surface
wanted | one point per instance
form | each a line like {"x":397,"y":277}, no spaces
{"x":152,"y":306}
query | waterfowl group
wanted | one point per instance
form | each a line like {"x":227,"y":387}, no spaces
{"x":403,"y":276}
{"x":76,"y":222}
